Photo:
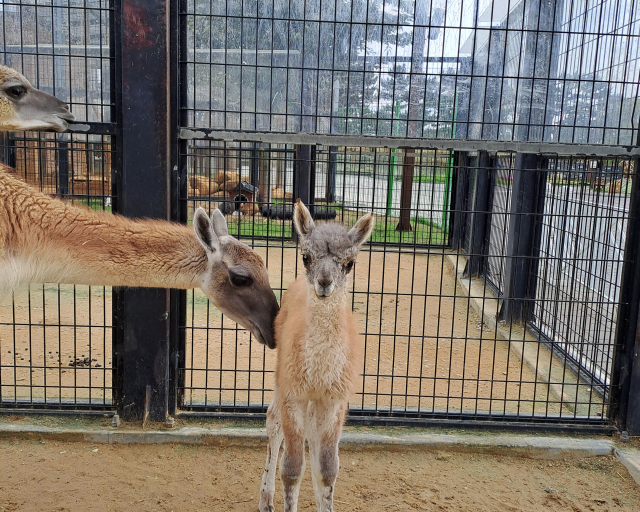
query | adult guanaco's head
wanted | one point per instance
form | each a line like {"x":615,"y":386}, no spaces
{"x":236,"y":280}
{"x":24,"y":108}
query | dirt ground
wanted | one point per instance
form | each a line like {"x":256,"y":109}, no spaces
{"x":37,"y":475}
{"x":426,"y":349}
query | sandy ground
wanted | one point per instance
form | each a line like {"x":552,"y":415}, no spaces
{"x":41,"y":476}
{"x":426,"y":348}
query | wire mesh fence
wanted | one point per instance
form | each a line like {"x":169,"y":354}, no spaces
{"x":531,"y":70}
{"x":436,"y":340}
{"x":582,"y":248}
{"x":492,"y":284}
{"x":64,"y":48}
{"x":56,"y":340}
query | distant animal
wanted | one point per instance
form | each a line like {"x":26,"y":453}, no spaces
{"x":615,"y":187}
{"x":43,"y":239}
{"x":320,"y":356}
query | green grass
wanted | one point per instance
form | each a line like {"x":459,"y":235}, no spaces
{"x":424,"y":232}
{"x":258,"y":226}
{"x":96,"y":204}
{"x":425,"y":178}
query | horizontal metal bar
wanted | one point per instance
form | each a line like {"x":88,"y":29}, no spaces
{"x":93,"y":128}
{"x":58,"y":409}
{"x":460,"y":422}
{"x":492,"y":146}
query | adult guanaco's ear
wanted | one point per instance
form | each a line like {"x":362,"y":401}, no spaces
{"x":362,"y":230}
{"x":302,"y":219}
{"x":203,"y":226}
{"x":219,"y":223}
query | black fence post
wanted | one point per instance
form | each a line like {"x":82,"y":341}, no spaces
{"x":63,"y":165}
{"x":179,"y":205}
{"x":10,"y":150}
{"x":330,"y":194}
{"x":480,"y":204}
{"x":459,"y":207}
{"x":303,"y":175}
{"x":143,"y":345}
{"x":625,"y":379}
{"x":304,"y":178}
{"x":254,"y":170}
{"x":523,"y":217}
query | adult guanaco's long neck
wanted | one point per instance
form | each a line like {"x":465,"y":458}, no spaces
{"x":46,"y":240}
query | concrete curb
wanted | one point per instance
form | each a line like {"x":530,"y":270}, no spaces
{"x":548,"y":367}
{"x":542,"y":447}
{"x":630,"y":458}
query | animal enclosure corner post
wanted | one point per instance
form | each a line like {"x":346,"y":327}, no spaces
{"x":480,"y":212}
{"x":459,"y":199}
{"x":625,"y":380}
{"x":527,"y":206}
{"x":142,"y":349}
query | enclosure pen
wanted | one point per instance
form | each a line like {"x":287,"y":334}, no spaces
{"x":495,"y":142}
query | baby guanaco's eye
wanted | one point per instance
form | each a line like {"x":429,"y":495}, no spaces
{"x":348,"y":267}
{"x":306,"y":260}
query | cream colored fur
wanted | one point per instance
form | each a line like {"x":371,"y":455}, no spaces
{"x":320,"y":357}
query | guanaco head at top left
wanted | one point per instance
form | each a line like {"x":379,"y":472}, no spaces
{"x":24,"y":108}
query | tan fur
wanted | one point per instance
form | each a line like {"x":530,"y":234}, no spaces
{"x":320,"y":357}
{"x":43,"y":239}
{"x":331,"y":366}
{"x":48,"y":240}
{"x":6,"y":107}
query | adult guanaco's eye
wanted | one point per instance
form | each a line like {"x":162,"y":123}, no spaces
{"x":348,"y":267}
{"x":240,"y":281}
{"x":306,"y":260}
{"x":16,"y":92}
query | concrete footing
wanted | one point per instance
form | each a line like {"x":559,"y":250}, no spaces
{"x":530,"y":446}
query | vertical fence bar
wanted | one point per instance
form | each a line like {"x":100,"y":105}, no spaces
{"x":625,"y":380}
{"x":330,"y":194}
{"x":179,"y":206}
{"x":10,"y":150}
{"x":144,"y":190}
{"x":459,"y":206}
{"x":254,"y":170}
{"x":480,"y":203}
{"x":303,"y":179}
{"x":63,"y":165}
{"x":523,"y":216}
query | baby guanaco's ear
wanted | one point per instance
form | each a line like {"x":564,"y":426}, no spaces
{"x":362,"y":230}
{"x":302,"y":219}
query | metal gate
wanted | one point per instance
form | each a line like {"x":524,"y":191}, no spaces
{"x":496,"y":144}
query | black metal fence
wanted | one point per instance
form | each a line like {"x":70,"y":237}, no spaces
{"x":495,"y":142}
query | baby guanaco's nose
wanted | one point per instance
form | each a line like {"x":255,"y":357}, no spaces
{"x":324,"y":281}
